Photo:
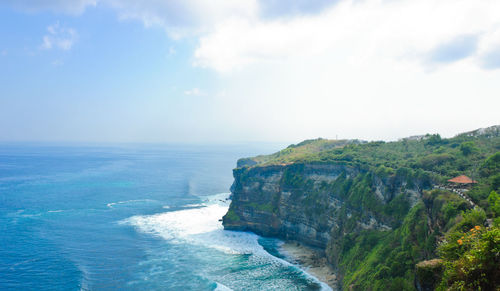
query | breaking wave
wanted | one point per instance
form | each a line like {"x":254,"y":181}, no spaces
{"x":202,"y":227}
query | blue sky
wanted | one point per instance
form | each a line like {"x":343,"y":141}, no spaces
{"x":233,"y":71}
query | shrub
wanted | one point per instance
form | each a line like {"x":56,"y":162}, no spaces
{"x":494,"y":202}
{"x":468,"y":148}
{"x":477,"y":266}
{"x":492,"y":165}
{"x":231,"y":216}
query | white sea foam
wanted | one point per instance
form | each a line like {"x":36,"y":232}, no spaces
{"x":180,"y":224}
{"x":221,"y":287}
{"x":194,"y":205}
{"x":84,"y":278}
{"x":12,"y":267}
{"x":201,"y":226}
{"x":111,"y":204}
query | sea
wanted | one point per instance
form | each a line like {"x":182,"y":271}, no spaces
{"x":131,"y":217}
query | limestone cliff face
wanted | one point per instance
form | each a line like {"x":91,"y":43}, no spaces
{"x":313,"y":203}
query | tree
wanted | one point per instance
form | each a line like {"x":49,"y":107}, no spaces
{"x":434,"y":139}
{"x":494,"y":202}
{"x":468,"y":148}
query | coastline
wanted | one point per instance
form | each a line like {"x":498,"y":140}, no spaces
{"x":311,"y":260}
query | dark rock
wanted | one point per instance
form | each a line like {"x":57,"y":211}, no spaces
{"x":428,"y":274}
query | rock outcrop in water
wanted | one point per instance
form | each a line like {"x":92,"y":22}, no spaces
{"x":367,"y":205}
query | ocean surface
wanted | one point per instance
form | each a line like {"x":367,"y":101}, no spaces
{"x":130,"y":218}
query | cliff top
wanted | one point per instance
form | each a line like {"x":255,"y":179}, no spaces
{"x":296,"y":152}
{"x":441,"y":157}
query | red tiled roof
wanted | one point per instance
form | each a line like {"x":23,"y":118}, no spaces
{"x":462,"y":180}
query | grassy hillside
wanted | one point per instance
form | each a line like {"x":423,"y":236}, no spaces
{"x":296,"y":152}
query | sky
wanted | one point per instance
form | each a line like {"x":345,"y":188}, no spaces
{"x":221,"y":71}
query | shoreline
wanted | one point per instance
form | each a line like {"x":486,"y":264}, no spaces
{"x":310,"y":260}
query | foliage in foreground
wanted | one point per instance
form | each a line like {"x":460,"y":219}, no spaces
{"x":472,"y":260}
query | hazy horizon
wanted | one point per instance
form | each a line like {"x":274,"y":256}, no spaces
{"x":218,"y":72}
{"x":278,"y":144}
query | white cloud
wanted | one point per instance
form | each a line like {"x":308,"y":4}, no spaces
{"x":356,"y":32}
{"x":358,"y":69}
{"x":234,"y":34}
{"x":57,"y":62}
{"x":179,"y":18}
{"x":59,"y":37}
{"x":193,"y":92}
{"x":63,"y":6}
{"x":183,"y":17}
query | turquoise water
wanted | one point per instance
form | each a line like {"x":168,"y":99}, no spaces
{"x":130,"y":218}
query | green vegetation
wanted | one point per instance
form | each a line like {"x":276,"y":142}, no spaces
{"x":231,"y":216}
{"x":375,"y":259}
{"x":428,"y":160}
{"x":267,"y":207}
{"x":494,"y":203}
{"x":298,"y":151}
{"x":432,"y":156}
{"x":471,"y":259}
{"x":385,"y":260}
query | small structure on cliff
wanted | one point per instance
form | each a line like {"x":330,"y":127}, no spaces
{"x":461,"y":181}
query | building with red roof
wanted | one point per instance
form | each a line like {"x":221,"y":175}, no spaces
{"x":462,"y":179}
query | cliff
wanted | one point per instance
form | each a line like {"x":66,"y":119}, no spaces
{"x":368,"y":205}
{"x":304,"y":202}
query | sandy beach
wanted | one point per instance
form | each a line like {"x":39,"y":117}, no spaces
{"x":311,"y":260}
